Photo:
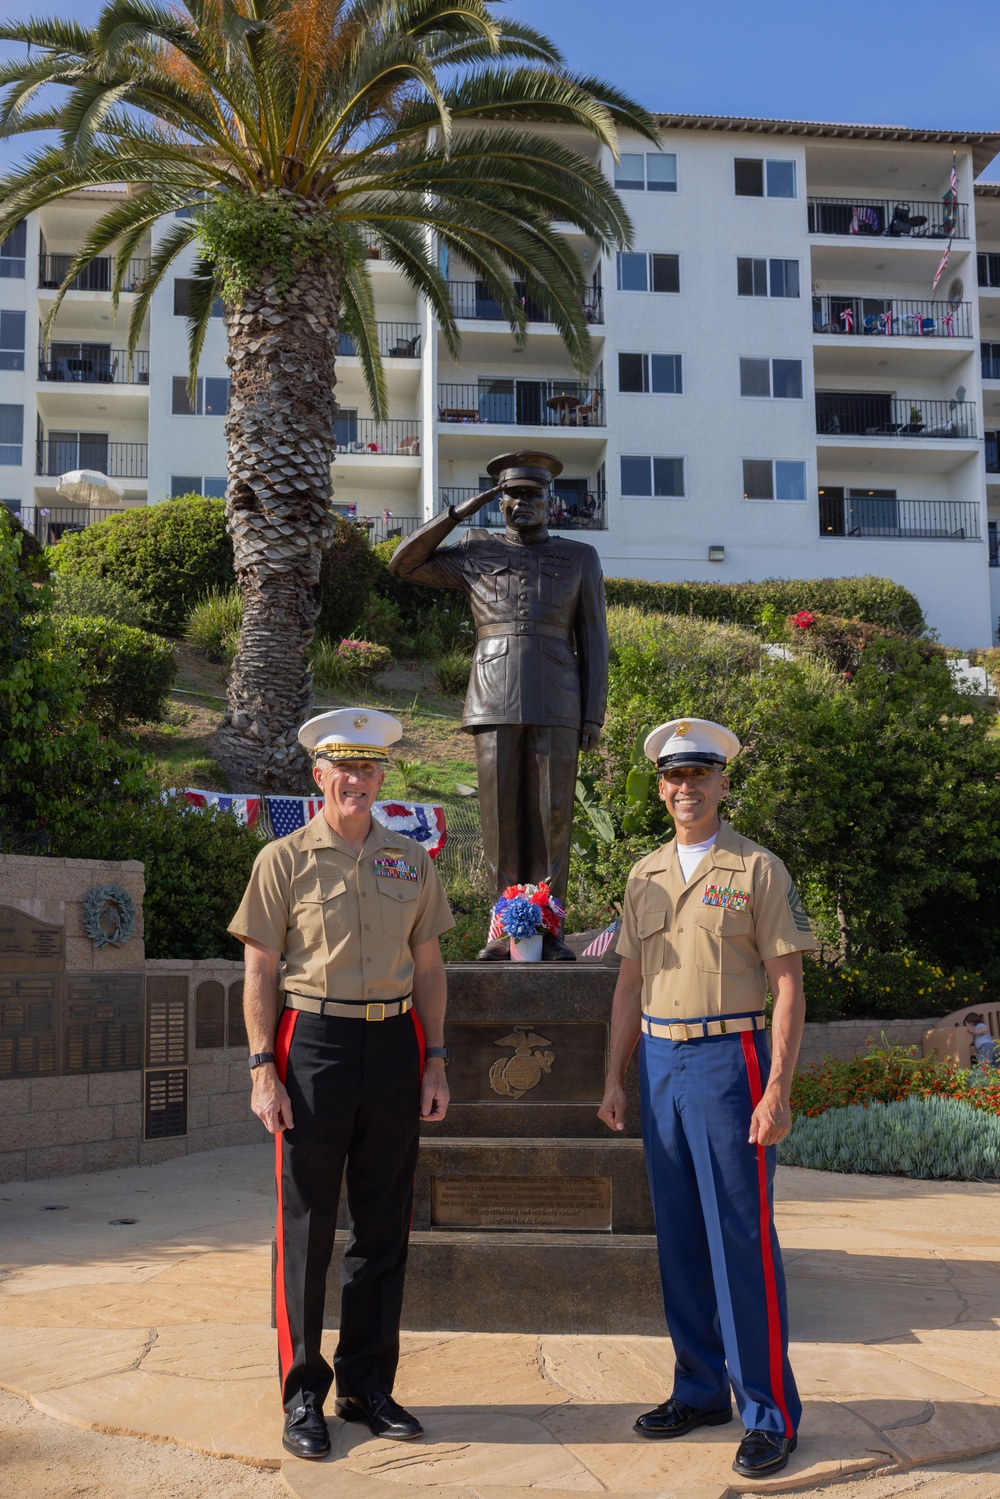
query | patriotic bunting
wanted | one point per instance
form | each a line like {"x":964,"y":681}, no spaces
{"x":246,"y":809}
{"x":287,"y":814}
{"x":423,"y":823}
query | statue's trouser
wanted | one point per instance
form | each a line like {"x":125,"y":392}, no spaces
{"x":527,"y":785}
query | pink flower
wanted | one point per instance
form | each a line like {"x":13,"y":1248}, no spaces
{"x":803,"y":619}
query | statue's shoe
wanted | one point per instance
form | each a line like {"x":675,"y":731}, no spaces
{"x":554,"y":950}
{"x":495,"y":952}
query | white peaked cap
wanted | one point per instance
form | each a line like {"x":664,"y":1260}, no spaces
{"x":690,"y":741}
{"x":350,"y":734}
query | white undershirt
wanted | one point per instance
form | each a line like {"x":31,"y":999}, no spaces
{"x":690,"y":855}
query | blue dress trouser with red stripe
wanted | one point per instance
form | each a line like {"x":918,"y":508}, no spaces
{"x":720,"y":1264}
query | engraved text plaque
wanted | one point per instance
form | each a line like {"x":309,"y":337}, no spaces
{"x":31,"y":942}
{"x":576,"y":1203}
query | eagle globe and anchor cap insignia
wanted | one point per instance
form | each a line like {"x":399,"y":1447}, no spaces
{"x":361,"y":720}
{"x":514,"y":1076}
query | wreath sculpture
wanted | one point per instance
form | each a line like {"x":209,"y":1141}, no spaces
{"x":109,"y":915}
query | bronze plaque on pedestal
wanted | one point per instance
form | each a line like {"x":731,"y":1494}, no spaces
{"x":581,"y":1204}
{"x":550,"y":1062}
{"x":30,"y":943}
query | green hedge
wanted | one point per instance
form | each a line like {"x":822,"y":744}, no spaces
{"x":879,"y":601}
{"x":927,"y":1138}
{"x":888,"y":986}
{"x":168,"y":555}
{"x":125,"y":673}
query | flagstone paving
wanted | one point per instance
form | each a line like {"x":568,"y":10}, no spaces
{"x":160,"y":1328}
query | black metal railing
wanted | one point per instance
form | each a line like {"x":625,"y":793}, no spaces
{"x":364,"y":435}
{"x":395,"y":341}
{"x":472,"y":299}
{"x":896,"y":217}
{"x":383,"y":527}
{"x":119,"y":460}
{"x":847,"y":415}
{"x":50,"y":523}
{"x":522,"y":403}
{"x":992,"y":444}
{"x":94,"y":366}
{"x":891,"y":317}
{"x":875,"y":515}
{"x":97,"y":276}
{"x":584,"y":512}
{"x":988,"y":268}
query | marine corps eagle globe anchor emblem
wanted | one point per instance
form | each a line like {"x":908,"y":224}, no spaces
{"x":514,"y":1076}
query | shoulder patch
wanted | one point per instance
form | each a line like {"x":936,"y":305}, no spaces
{"x":798,"y":910}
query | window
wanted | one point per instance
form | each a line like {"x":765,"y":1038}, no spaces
{"x":12,"y":253}
{"x":660,"y":373}
{"x":780,"y":378}
{"x":649,"y":272}
{"x":762,"y":278}
{"x":182,"y":300}
{"x":211,"y":399}
{"x":11,"y":340}
{"x":11,"y":434}
{"x":756,"y":178}
{"x":345,"y":427}
{"x":654,"y":172}
{"x":648,"y":478}
{"x":196,"y":484}
{"x":773,"y":479}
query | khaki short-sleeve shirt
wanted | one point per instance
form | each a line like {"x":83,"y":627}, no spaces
{"x":703,"y":942}
{"x":344,"y":923}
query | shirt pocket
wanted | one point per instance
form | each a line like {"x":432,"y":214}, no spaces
{"x":724,"y":942}
{"x":554,"y":582}
{"x":398,"y":906}
{"x":652,"y":924}
{"x":320,"y":911}
{"x":499,"y":577}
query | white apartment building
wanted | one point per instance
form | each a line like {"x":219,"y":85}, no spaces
{"x":777,"y":389}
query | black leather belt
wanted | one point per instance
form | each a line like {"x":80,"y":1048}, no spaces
{"x":349,"y":1009}
{"x":525,"y":627}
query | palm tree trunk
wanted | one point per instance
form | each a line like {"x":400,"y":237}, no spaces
{"x":280,"y":438}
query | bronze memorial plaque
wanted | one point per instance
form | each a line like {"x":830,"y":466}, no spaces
{"x":576,"y":1203}
{"x":546,"y":1061}
{"x":30,"y":941}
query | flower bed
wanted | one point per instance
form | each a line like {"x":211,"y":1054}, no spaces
{"x":886,"y":1075}
{"x":930,"y":1138}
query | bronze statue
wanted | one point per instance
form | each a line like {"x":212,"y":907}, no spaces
{"x":539,"y":680}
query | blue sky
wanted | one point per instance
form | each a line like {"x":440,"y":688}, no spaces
{"x":901,"y":62}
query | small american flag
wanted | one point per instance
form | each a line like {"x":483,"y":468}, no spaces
{"x":602,"y":942}
{"x":287,"y":814}
{"x":246,"y":809}
{"x":940,"y":270}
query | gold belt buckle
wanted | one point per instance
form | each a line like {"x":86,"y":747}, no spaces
{"x":679,"y":1026}
{"x":375,"y":1005}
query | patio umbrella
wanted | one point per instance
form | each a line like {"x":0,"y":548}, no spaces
{"x":88,"y":486}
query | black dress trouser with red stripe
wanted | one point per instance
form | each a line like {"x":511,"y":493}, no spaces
{"x":354,"y":1088}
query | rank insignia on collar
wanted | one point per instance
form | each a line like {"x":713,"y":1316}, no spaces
{"x":395,"y":869}
{"x":726,"y":896}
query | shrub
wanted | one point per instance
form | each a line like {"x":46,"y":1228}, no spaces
{"x":888,"y":986}
{"x":88,"y":597}
{"x":125,"y":673}
{"x":926,"y":1138}
{"x":452,"y":672}
{"x":31,"y":557}
{"x":470,"y":901}
{"x":990,"y":659}
{"x":213,"y":626}
{"x":169,"y":555}
{"x":840,"y":642}
{"x":352,"y":663}
{"x":882,"y":1075}
{"x":347,"y":576}
{"x":877,"y":600}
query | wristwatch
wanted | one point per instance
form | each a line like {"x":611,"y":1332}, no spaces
{"x":437,"y":1051}
{"x":260,"y":1058}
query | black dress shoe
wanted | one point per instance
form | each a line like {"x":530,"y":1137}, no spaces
{"x":305,"y":1433}
{"x":762,"y":1453}
{"x":673,"y":1419}
{"x":381,"y":1414}
{"x":554,"y":950}
{"x":497,"y":951}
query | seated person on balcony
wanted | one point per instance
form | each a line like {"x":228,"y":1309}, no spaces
{"x":589,"y":508}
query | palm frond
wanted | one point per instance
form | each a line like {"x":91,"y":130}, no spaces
{"x":203,"y":288}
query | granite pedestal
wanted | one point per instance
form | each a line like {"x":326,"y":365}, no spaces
{"x":529,"y":1216}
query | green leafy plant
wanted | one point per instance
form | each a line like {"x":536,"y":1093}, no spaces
{"x":88,"y":597}
{"x":888,"y":986}
{"x":928,"y":1138}
{"x":883,"y":1074}
{"x":125,"y":673}
{"x":877,"y":600}
{"x":452,"y":672}
{"x":213,"y":626}
{"x":592,"y":823}
{"x":409,"y":772}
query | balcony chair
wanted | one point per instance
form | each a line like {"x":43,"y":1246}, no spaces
{"x":588,"y":413}
{"x":405,"y":348}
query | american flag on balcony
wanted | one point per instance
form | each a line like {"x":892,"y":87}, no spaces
{"x":864,"y":215}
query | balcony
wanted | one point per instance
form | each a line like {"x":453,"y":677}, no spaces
{"x":874,"y":516}
{"x":576,"y":506}
{"x":97,"y":276}
{"x":892,"y":317}
{"x":522,"y":403}
{"x":380,"y":527}
{"x":93,"y":364}
{"x":119,"y":460}
{"x":877,"y":217}
{"x":472,"y":299}
{"x":395,"y":341}
{"x":364,"y":435}
{"x":844,"y":414}
{"x":50,"y":524}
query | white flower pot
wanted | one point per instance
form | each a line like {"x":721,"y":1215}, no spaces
{"x":526,"y":949}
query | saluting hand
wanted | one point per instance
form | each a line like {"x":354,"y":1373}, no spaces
{"x":434,"y":1094}
{"x":771,"y":1121}
{"x":269,"y":1100}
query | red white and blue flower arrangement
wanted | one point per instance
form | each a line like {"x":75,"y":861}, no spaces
{"x":523,"y":911}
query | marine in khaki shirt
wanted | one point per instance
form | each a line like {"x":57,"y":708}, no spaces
{"x":710,"y":921}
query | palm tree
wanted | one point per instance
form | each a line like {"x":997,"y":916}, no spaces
{"x":292,"y":131}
